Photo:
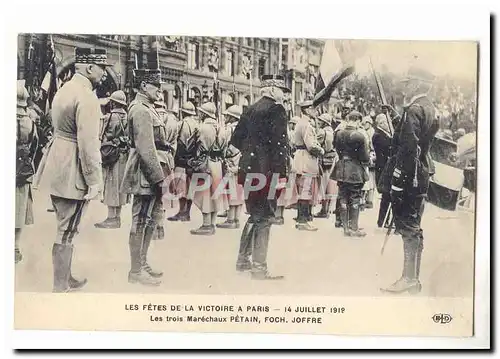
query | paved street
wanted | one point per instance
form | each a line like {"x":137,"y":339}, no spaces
{"x":321,"y":263}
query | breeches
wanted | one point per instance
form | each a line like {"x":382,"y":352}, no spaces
{"x":147,"y":211}
{"x":69,"y":213}
{"x":350,"y":194}
{"x":259,"y":206}
{"x":408,"y":216}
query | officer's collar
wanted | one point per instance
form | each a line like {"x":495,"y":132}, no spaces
{"x":119,"y":110}
{"x":85,"y":82}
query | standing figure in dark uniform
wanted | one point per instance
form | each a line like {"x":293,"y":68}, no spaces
{"x":26,"y":147}
{"x":114,"y":134}
{"x":261,"y":136}
{"x":74,"y":159}
{"x":350,"y":172}
{"x":382,"y":145}
{"x":145,"y":173}
{"x":407,"y":173}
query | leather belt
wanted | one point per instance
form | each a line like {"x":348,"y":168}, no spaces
{"x":301,"y":147}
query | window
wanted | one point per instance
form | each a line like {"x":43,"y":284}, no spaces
{"x":249,"y":41}
{"x":247,"y":66}
{"x":193,"y":55}
{"x":263,"y":44}
{"x":233,"y":39}
{"x":229,"y":65}
{"x":262,"y":67}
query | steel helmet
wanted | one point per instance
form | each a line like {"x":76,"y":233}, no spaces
{"x":119,"y":97}
{"x":234,"y":111}
{"x":354,"y":116}
{"x":188,"y":108}
{"x":22,"y":94}
{"x":208,"y":109}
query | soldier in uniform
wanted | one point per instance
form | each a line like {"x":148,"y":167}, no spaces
{"x":210,"y":145}
{"x":306,"y":165}
{"x":26,"y":147}
{"x":188,"y":127}
{"x":148,"y":163}
{"x":369,"y":187}
{"x":114,"y":134}
{"x":325,"y":139}
{"x":171,"y":133}
{"x":407,"y":173}
{"x":261,"y":136}
{"x":288,"y":197}
{"x":350,"y":173}
{"x":74,"y":158}
{"x":382,"y":146}
{"x":232,"y":159}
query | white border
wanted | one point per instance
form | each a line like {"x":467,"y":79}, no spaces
{"x":421,"y":20}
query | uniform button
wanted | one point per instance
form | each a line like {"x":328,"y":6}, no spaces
{"x":249,"y":167}
{"x":252,"y":154}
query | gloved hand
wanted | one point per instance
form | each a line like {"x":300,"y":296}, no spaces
{"x":92,"y":192}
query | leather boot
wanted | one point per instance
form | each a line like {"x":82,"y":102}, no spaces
{"x":259,"y":252}
{"x":302,"y":217}
{"x":137,"y":274}
{"x":148,"y":236}
{"x":181,"y":213}
{"x":338,"y":214}
{"x":344,"y":218}
{"x":74,"y":284}
{"x":243,"y":262}
{"x":109,"y":223}
{"x":324,"y":210}
{"x":228,"y":224}
{"x":408,"y":282}
{"x":353,"y":223}
{"x":61,"y":261}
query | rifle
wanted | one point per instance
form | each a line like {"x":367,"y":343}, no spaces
{"x":389,"y":230}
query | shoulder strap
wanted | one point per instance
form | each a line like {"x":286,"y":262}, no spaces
{"x":106,"y":126}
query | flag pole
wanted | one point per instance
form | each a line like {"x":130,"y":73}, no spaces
{"x":119,"y":65}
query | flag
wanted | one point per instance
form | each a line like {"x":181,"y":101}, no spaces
{"x":337,"y":62}
{"x":50,"y":83}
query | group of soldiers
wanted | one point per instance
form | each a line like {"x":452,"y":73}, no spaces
{"x":143,"y":153}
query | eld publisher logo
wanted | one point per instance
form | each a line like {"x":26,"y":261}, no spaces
{"x":442,"y":318}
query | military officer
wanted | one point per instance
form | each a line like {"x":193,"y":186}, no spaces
{"x":185,"y":151}
{"x":74,"y":158}
{"x":26,"y":147}
{"x":114,"y":134}
{"x":349,"y":172}
{"x":149,"y":160}
{"x":369,"y":187}
{"x":306,"y":165}
{"x":407,"y":172}
{"x":325,"y":139}
{"x":232,"y":159}
{"x":261,"y":136}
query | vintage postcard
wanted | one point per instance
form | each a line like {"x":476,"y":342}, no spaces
{"x":245,"y":184}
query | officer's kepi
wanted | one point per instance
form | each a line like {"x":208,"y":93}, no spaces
{"x":149,"y":76}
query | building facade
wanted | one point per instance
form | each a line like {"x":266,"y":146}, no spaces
{"x":186,"y":63}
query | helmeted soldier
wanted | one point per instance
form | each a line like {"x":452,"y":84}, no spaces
{"x":171,"y":130}
{"x":185,"y":151}
{"x":306,"y":165}
{"x":231,"y":159}
{"x":149,"y":160}
{"x":74,"y":158}
{"x":115,"y":146}
{"x":406,"y":175}
{"x":261,"y":136}
{"x":288,"y":197}
{"x":210,"y":146}
{"x":350,"y":173}
{"x":26,"y":147}
{"x":382,"y":138}
{"x":369,"y":187}
{"x":325,"y":139}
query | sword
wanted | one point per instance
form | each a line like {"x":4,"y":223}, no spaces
{"x":389,"y":230}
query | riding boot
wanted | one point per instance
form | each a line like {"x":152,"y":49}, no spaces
{"x":149,"y":234}
{"x":243,"y":262}
{"x":302,"y":217}
{"x":353,"y":222}
{"x":75,"y":284}
{"x":61,"y":261}
{"x":338,"y":215}
{"x":259,"y":252}
{"x":181,"y":213}
{"x":137,"y":274}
